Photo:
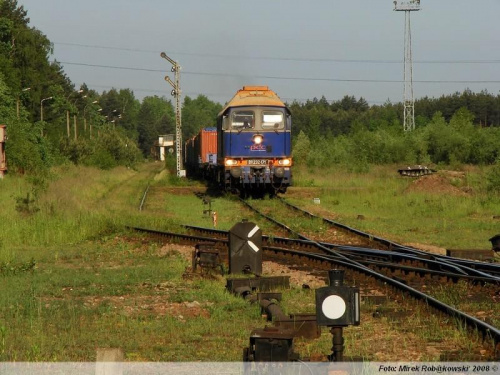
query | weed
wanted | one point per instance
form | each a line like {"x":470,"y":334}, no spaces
{"x":26,"y":206}
{"x":7,"y":268}
{"x":493,"y":178}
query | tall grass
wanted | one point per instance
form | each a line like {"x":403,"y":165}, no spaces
{"x":392,"y":209}
{"x":79,"y":203}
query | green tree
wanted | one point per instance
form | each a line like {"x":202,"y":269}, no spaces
{"x":197,"y":114}
{"x":301,"y":149}
{"x":26,"y":150}
{"x":156,"y":118}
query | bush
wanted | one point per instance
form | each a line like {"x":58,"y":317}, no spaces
{"x":110,"y":149}
{"x":493,"y":178}
{"x":301,"y":149}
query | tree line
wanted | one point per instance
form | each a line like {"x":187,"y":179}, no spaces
{"x":114,"y":128}
{"x":50,"y":121}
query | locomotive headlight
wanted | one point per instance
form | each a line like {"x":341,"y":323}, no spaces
{"x":258,"y":139}
{"x":231,"y":162}
{"x":285,"y":162}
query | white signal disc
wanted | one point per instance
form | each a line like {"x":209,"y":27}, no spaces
{"x":333,"y":307}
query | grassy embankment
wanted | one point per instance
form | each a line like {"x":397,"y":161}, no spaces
{"x":449,"y":210}
{"x":92,"y":287}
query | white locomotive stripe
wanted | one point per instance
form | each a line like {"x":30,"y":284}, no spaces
{"x":253,"y":231}
{"x":253,"y":246}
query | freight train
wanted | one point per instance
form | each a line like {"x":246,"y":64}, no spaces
{"x":249,"y":152}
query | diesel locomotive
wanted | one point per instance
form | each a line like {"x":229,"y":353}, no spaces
{"x":249,"y":152}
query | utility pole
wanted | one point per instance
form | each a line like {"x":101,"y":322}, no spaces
{"x":18,"y":104}
{"x":176,"y":68}
{"x":41,"y":111}
{"x":409,"y":101}
{"x":67,"y":111}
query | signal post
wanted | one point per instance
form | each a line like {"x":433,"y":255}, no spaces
{"x":176,"y":68}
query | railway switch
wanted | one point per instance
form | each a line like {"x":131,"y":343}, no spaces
{"x":337,"y":306}
{"x":270,"y":345}
{"x":245,"y":248}
{"x":206,"y":257}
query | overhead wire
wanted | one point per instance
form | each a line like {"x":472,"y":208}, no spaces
{"x":272,"y":77}
{"x":308,"y":59}
{"x":221,"y":95}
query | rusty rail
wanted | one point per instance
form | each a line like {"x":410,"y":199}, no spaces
{"x":486,"y":329}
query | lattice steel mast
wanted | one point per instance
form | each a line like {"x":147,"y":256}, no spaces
{"x":409,"y":101}
{"x":176,"y":68}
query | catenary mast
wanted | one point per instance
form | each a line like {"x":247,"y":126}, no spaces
{"x":409,"y":101}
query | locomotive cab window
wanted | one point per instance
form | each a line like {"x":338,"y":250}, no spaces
{"x":243,"y":120}
{"x":272,"y":120}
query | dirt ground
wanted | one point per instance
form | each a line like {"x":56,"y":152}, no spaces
{"x":440,"y":183}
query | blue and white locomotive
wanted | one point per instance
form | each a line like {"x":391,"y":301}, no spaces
{"x":253,"y":144}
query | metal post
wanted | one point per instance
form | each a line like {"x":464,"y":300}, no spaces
{"x":41,"y":118}
{"x":409,"y":102}
{"x":41,"y":111}
{"x":67,"y":121}
{"x":18,"y":104}
{"x":67,"y":111}
{"x":74,"y":127}
{"x":176,"y":68}
{"x":338,"y":345}
{"x":85,"y":117}
{"x":408,"y":99}
{"x":178,"y":120}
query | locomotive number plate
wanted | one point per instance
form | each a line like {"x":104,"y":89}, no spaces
{"x":257,"y":162}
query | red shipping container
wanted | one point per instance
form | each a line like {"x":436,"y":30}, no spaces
{"x":208,"y":147}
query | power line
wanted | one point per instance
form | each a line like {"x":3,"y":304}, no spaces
{"x":272,"y":77}
{"x":192,"y":93}
{"x":272,"y":58}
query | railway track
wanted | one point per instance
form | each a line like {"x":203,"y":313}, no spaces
{"x":379,"y":259}
{"x":359,"y":271}
{"x":406,"y":270}
{"x":471,"y":267}
{"x":483,"y":272}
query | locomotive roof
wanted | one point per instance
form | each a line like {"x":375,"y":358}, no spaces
{"x":254,"y":95}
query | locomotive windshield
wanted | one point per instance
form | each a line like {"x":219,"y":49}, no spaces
{"x":272,"y":120}
{"x":243,"y":120}
{"x":260,"y":118}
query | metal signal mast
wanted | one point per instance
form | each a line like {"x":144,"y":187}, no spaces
{"x":176,"y":68}
{"x":409,"y":102}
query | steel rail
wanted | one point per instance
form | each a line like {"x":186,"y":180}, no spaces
{"x":390,"y":258}
{"x":143,"y":200}
{"x":468,"y":267}
{"x":486,"y":329}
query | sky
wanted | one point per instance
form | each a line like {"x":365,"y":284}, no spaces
{"x":300,"y":49}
